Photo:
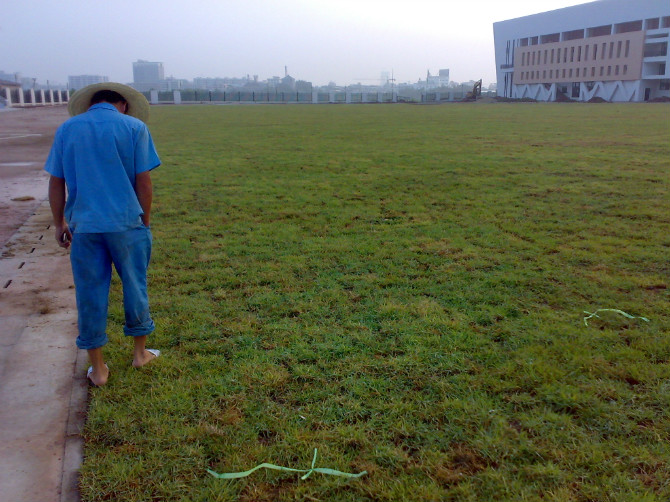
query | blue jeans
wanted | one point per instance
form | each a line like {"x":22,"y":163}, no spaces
{"x":92,"y":256}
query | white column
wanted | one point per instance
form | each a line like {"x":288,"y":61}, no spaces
{"x":364,"y":97}
{"x":177,"y":97}
{"x":8,"y":95}
{"x":315,"y":97}
{"x":32,"y":97}
{"x":154,"y":97}
{"x":380,"y":97}
{"x":331,"y":97}
{"x":42,"y":97}
{"x":51,"y":97}
{"x":347,"y":97}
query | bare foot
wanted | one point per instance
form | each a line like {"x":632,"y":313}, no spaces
{"x":98,"y":378}
{"x":146,"y":356}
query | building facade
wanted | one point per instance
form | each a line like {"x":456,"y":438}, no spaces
{"x":615,"y":50}
{"x":75,"y":82}
{"x":148,"y":75}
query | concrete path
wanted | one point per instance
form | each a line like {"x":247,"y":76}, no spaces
{"x":43,"y":387}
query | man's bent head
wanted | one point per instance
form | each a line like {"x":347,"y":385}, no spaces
{"x":111,"y":97}
{"x":126,"y":99}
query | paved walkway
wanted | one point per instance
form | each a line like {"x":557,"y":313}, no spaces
{"x":42,"y":374}
{"x":43,"y":387}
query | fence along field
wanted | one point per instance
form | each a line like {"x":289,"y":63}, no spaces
{"x":402,"y":287}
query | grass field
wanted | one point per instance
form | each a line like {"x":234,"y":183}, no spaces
{"x":403,"y":288}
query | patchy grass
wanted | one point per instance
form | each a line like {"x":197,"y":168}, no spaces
{"x":401,"y":287}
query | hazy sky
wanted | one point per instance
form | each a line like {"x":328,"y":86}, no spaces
{"x":345,"y":41}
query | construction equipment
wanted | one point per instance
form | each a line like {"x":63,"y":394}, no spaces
{"x":476,"y":91}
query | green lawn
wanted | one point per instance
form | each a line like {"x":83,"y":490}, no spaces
{"x":402,"y":287}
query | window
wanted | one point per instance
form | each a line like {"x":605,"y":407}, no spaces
{"x":664,"y":85}
{"x":618,"y":48}
{"x":652,"y":24}
{"x":602,"y":54}
{"x":586,"y":53}
{"x":602,"y":69}
{"x":552,"y":56}
{"x":657,"y":49}
{"x":616,"y":70}
{"x":595,"y":51}
{"x":565,"y":55}
{"x":570,"y":73}
{"x":625,"y":69}
{"x":609,"y":71}
{"x":544,"y":74}
{"x":593,"y":71}
{"x":579,"y":53}
{"x":545,"y":56}
{"x":551,"y":74}
{"x":523,"y":59}
{"x":572,"y":54}
{"x":611,"y":49}
{"x":627,"y":48}
{"x":577,"y":73}
{"x":563,"y":72}
{"x":532,"y":60}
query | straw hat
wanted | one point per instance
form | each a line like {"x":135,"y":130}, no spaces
{"x":138,"y":106}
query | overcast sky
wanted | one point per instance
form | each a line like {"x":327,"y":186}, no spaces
{"x":345,"y":41}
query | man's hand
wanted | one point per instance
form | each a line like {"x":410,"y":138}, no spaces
{"x":57,"y":203}
{"x":144,"y":191}
{"x":63,"y":235}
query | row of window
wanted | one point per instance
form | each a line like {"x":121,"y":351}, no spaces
{"x":568,"y":73}
{"x":575,"y":54}
{"x":598,"y":31}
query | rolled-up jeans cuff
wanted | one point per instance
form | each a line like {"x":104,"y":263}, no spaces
{"x":143,"y":329}
{"x":90,"y":344}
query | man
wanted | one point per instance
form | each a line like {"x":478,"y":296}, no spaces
{"x":104,"y":155}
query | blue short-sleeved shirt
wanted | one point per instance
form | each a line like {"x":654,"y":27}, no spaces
{"x":99,"y":153}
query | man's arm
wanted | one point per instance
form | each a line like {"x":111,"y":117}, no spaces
{"x":144,"y":191}
{"x":57,"y":203}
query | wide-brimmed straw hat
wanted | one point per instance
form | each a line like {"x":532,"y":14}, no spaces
{"x":138,"y":106}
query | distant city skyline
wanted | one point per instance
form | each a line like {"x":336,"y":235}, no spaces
{"x":347,"y":42}
{"x":146,"y":74}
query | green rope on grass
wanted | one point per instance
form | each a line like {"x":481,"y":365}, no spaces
{"x":332,"y":472}
{"x":595,"y":314}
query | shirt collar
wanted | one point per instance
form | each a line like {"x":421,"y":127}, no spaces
{"x":103,"y":106}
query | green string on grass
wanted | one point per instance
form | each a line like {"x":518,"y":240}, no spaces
{"x":332,"y":472}
{"x":595,"y":314}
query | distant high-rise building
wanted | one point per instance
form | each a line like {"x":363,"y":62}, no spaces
{"x":384,"y":78}
{"x":443,"y":77}
{"x":147,"y":71}
{"x":10,"y":77}
{"x":80,"y":81}
{"x":439,"y":80}
{"x":147,"y":75}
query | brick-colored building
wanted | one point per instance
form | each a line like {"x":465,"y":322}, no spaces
{"x":616,"y":50}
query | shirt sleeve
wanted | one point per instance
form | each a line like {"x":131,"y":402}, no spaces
{"x":54,"y":163}
{"x":146,"y":157}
